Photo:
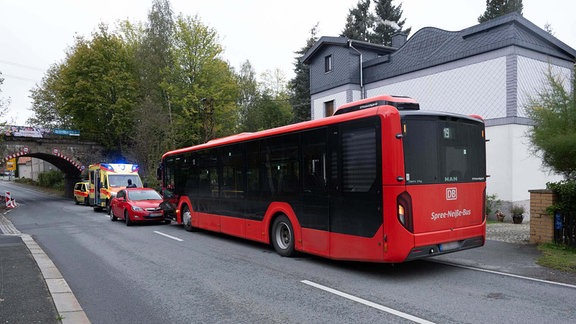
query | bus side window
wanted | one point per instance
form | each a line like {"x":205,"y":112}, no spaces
{"x":314,"y":161}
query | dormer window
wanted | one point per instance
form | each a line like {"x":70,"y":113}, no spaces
{"x":328,"y":63}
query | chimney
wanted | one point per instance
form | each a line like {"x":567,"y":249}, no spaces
{"x":399,"y":39}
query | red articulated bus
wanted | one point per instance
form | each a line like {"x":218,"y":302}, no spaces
{"x":380,"y":181}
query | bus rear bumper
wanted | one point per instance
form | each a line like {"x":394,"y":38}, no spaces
{"x":443,"y":248}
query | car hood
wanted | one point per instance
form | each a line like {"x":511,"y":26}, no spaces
{"x":147,"y":203}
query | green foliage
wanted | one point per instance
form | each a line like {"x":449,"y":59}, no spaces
{"x":558,"y":257}
{"x":267,"y":112}
{"x":359,"y":22}
{"x":378,"y":27}
{"x":152,"y":46}
{"x":386,"y":13}
{"x":565,"y":192}
{"x":497,"y":8}
{"x":93,"y":91}
{"x":554,"y":133}
{"x":517,"y":210}
{"x":47,"y":99}
{"x":199,"y":73}
{"x":492,"y":203}
{"x":248,"y":92}
{"x":51,"y":179}
{"x":264,"y":105}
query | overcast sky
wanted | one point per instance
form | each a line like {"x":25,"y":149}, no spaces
{"x":35,"y":34}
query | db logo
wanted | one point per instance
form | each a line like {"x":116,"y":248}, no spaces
{"x":451,"y":194}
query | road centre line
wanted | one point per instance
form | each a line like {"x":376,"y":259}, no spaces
{"x":506,"y":274}
{"x":169,"y":236}
{"x":367,"y":303}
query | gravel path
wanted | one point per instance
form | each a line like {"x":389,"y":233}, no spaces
{"x":508,"y":232}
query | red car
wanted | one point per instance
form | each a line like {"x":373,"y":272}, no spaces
{"x":137,"y":205}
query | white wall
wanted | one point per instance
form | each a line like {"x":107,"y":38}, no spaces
{"x":512,"y":167}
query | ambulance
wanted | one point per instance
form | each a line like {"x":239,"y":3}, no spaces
{"x":106,"y":179}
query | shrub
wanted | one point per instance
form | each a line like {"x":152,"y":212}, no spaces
{"x":517,"y":210}
{"x":492,"y":203}
{"x":565,"y":197}
{"x":51,"y":179}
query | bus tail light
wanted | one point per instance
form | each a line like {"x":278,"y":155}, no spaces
{"x":404,"y":203}
{"x":484,"y":205}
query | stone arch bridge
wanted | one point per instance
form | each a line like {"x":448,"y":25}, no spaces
{"x":70,"y":155}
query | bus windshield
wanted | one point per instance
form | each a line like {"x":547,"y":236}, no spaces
{"x":443,"y":149}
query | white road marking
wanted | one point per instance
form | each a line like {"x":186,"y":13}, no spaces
{"x":506,"y":274}
{"x":169,"y":236}
{"x":367,"y":303}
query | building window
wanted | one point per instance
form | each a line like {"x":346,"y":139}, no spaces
{"x":328,"y":63}
{"x":329,"y":108}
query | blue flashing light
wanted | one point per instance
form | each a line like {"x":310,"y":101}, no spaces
{"x":106,"y":167}
{"x":135,"y":167}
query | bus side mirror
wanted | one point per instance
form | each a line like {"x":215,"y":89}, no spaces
{"x":159,"y":173}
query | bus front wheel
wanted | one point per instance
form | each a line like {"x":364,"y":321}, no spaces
{"x":283,"y":236}
{"x":187,"y":219}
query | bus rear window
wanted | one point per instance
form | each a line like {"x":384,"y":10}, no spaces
{"x":441,"y":149}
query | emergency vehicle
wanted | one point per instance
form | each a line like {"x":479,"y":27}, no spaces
{"x":81,"y":192}
{"x":106,"y":179}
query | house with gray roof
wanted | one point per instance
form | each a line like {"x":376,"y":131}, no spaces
{"x":490,"y":69}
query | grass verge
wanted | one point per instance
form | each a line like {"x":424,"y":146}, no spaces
{"x":557,"y":257}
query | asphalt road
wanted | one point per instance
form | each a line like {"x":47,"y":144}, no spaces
{"x":163,"y":274}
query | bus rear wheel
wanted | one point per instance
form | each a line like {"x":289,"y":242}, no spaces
{"x":283,"y":236}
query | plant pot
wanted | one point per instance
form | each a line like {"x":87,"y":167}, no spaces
{"x":517,"y":219}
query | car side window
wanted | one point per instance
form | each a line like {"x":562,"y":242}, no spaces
{"x":121,"y":194}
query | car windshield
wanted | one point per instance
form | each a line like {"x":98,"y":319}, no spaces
{"x":121,"y":180}
{"x":143,"y":195}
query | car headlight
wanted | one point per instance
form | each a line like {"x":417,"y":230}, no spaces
{"x":136,"y":208}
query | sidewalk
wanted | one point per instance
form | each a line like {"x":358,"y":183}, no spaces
{"x":32,"y":290}
{"x":507,"y":250}
{"x":24,"y":296}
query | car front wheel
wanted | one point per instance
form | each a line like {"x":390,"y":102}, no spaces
{"x":127,"y":218}
{"x":112,"y":217}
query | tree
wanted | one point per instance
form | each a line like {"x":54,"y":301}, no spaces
{"x":554,"y":133}
{"x":359,"y":22}
{"x":388,"y":22}
{"x":150,"y":45}
{"x":377,"y":27}
{"x":248,"y":93}
{"x":93,"y":91}
{"x":268,"y":112}
{"x":99,"y":89}
{"x":46,"y":101}
{"x":199,"y":73}
{"x":497,"y":8}
{"x":299,"y":86}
